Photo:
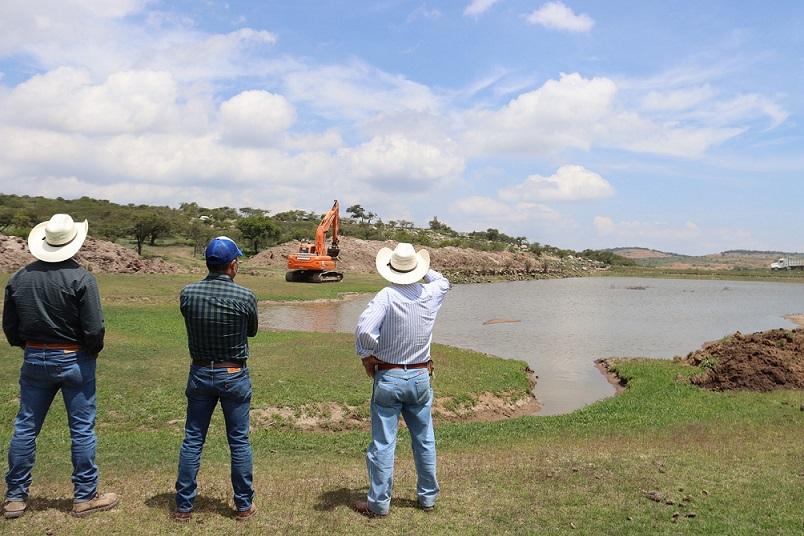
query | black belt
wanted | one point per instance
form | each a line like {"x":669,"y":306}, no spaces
{"x":219,"y":364}
{"x":388,"y":366}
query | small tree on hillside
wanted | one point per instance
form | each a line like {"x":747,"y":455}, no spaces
{"x":357,"y":212}
{"x":199,"y":232}
{"x":259,"y":230}
{"x":142,"y":227}
{"x":160,"y":227}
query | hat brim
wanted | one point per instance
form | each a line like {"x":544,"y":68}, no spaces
{"x":43,"y":251}
{"x":402,"y":278}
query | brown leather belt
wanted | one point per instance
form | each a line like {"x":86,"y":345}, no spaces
{"x":388,"y":366}
{"x":219,"y":364}
{"x":66,"y":346}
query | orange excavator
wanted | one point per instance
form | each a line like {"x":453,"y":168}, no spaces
{"x":315,"y":263}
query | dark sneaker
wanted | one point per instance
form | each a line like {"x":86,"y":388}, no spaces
{"x":181,"y":517}
{"x":246,"y":514}
{"x":98,"y":503}
{"x":13,"y":509}
{"x":362,"y":508}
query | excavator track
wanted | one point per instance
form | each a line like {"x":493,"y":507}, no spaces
{"x":309,"y":276}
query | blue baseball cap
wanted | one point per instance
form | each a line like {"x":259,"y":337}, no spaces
{"x":222,"y":250}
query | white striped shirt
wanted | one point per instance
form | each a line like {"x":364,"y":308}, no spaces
{"x":397,"y":325}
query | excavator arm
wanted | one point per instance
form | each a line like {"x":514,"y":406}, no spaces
{"x":316,"y":263}
{"x":331,"y":220}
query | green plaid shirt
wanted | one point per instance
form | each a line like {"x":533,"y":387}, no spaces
{"x":219,"y":316}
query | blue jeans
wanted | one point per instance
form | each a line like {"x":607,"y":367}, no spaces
{"x":205,"y":387}
{"x":43,"y":373}
{"x":407,"y":392}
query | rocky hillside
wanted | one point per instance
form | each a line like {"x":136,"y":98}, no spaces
{"x":95,"y":255}
{"x":462,"y":265}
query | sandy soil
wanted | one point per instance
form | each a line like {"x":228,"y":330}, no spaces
{"x":486,"y":406}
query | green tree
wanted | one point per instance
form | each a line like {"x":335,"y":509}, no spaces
{"x":357,"y":212}
{"x":199,"y":232}
{"x":259,"y":230}
{"x":142,"y":226}
{"x":248,"y":211}
{"x":6,"y":218}
{"x":160,"y":227}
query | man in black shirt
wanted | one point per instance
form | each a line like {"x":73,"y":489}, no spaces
{"x":52,"y":310}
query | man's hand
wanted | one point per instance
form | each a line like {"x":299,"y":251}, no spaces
{"x":369,"y":363}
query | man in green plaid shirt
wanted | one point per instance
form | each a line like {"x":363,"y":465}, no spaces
{"x":220,"y":316}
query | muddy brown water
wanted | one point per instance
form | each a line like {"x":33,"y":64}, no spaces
{"x":563,"y":325}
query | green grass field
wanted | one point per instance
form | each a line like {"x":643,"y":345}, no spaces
{"x":731,"y":463}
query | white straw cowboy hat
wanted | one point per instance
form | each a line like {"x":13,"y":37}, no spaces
{"x":403,"y":265}
{"x":58,"y":239}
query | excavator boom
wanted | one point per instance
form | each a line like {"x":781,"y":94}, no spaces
{"x":315,"y":263}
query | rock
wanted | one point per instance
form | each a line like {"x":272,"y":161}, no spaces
{"x":654,"y":495}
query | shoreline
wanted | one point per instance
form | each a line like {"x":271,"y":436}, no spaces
{"x":797,"y":319}
{"x":618,"y":383}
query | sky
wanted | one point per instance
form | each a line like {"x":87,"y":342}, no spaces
{"x":580,"y":124}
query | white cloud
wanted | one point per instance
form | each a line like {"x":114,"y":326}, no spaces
{"x":255,"y":117}
{"x":560,"y":114}
{"x":478,"y":7}
{"x":677,"y":99}
{"x":558,"y":16}
{"x":356,"y":91}
{"x":396,"y":163}
{"x":480,"y":212}
{"x":635,"y":232}
{"x":66,"y":99}
{"x":324,"y":141}
{"x":577,"y":113}
{"x":569,"y":183}
{"x":484,"y":208}
{"x":745,"y":107}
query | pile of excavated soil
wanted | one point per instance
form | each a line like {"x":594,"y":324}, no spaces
{"x":358,"y":256}
{"x":96,"y":256}
{"x":760,"y":361}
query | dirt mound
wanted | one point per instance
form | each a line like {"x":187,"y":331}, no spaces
{"x":358,"y":256}
{"x":760,"y":361}
{"x":96,"y":256}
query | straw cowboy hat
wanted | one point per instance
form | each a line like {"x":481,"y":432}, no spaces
{"x":57,"y":239}
{"x":403,"y":265}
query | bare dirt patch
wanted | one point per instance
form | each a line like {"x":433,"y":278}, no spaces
{"x":760,"y":361}
{"x":484,"y":406}
{"x":96,"y":256}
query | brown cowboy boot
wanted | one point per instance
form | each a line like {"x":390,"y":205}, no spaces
{"x":12,"y":509}
{"x":98,"y":503}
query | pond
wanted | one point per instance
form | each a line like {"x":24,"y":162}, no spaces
{"x":560,"y":326}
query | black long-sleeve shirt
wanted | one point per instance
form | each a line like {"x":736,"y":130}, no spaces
{"x":54,"y":302}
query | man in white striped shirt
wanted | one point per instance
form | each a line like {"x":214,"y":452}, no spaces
{"x":393,"y":339}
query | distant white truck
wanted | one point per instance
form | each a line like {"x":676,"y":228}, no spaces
{"x":786,"y":263}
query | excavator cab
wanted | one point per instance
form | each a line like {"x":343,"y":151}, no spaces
{"x":310,"y":265}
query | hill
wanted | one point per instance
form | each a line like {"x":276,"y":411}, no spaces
{"x":95,"y":255}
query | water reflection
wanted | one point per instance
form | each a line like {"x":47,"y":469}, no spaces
{"x":564,"y":325}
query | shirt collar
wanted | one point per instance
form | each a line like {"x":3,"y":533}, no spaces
{"x":218,"y":277}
